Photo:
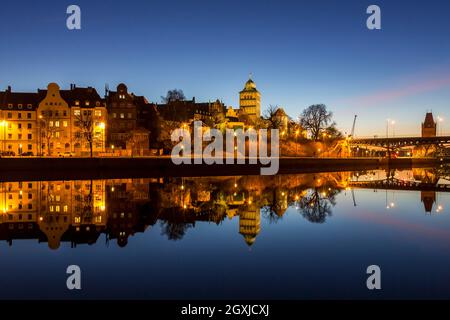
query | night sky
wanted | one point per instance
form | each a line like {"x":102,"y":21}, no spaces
{"x":299,"y":52}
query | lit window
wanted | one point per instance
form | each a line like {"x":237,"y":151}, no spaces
{"x":51,"y":209}
{"x":76,"y":112}
{"x":58,"y":208}
{"x":50,"y":123}
{"x":64,"y":123}
{"x":122,"y":116}
{"x":114,"y":115}
{"x":57,"y":134}
{"x":65,"y":208}
{"x":86,"y":103}
{"x":77,"y":103}
{"x":77,"y":219}
{"x":98,"y":113}
{"x":57,"y":124}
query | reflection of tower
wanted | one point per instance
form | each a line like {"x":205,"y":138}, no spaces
{"x":250,"y":223}
{"x":428,"y":198}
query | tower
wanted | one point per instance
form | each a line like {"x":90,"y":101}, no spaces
{"x":250,"y":100}
{"x":429,"y":126}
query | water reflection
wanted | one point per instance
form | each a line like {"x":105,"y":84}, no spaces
{"x":78,"y":212}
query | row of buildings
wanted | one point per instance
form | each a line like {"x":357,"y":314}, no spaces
{"x":79,"y":122}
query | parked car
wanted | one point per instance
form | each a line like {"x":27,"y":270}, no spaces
{"x":66,"y":154}
{"x":27,"y":154}
{"x":8,"y":154}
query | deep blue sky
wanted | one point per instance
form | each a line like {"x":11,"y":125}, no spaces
{"x":299,"y":52}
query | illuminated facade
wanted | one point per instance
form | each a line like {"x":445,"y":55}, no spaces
{"x":52,"y":122}
{"x":250,"y":101}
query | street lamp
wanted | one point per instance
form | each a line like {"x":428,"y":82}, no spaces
{"x":440,"y":120}
{"x":20,"y":149}
{"x":112,"y":147}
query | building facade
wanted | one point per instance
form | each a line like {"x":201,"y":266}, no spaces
{"x":250,"y":101}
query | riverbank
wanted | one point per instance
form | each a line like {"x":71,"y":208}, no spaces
{"x":31,"y":169}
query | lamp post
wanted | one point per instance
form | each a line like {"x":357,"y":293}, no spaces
{"x":112,"y":147}
{"x":440,"y":120}
{"x":20,"y":149}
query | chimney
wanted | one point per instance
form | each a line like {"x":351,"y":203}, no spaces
{"x":9,"y":89}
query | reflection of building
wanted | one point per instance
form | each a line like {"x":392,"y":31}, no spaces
{"x":250,"y":223}
{"x":53,"y":207}
{"x":429,"y":126}
{"x":428,"y":198}
{"x":250,"y":101}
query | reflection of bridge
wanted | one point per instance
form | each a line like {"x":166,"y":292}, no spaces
{"x":396,"y":184}
{"x":400,"y":142}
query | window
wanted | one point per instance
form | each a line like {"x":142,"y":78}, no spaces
{"x":19,"y":115}
{"x":98,"y":113}
{"x":30,"y":196}
{"x":29,"y":126}
{"x":57,"y":208}
{"x":122,"y":116}
{"x":56,"y":113}
{"x":30,"y":136}
{"x":9,"y":135}
{"x":9,"y":115}
{"x":30,"y":185}
{"x":30,"y":147}
{"x":50,"y":123}
{"x":28,"y":115}
{"x":10,"y":196}
{"x":129,"y":115}
{"x":19,"y":106}
{"x":77,"y":103}
{"x":65,"y":113}
{"x":58,"y":198}
{"x":57,"y":124}
{"x":87,"y":103}
{"x":76,"y":112}
{"x":64,"y":123}
{"x":19,"y":136}
{"x":65,"y":208}
{"x":19,"y":126}
{"x":114,"y":115}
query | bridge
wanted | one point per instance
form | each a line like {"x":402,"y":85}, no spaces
{"x":397,"y":184}
{"x":400,"y":142}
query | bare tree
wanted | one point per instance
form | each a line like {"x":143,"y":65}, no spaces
{"x":173,"y":95}
{"x":86,"y":126}
{"x":271,"y":118}
{"x":46,"y":132}
{"x":316,"y":118}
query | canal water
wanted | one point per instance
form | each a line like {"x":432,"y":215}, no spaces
{"x":303,"y":236}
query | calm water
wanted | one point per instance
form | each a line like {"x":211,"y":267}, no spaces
{"x":295,"y":237}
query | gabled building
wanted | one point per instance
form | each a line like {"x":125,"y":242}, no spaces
{"x":123,"y":121}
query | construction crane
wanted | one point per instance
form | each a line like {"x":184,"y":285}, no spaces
{"x":353,"y":127}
